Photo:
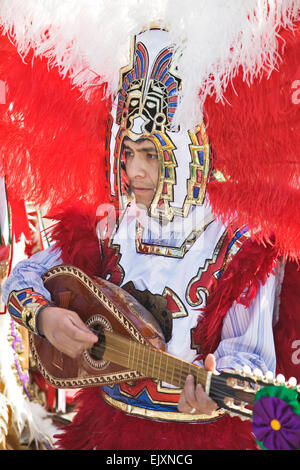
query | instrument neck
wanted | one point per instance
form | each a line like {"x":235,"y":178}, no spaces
{"x":152,"y":362}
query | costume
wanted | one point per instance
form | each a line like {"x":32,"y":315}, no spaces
{"x":24,"y":421}
{"x":195,"y":254}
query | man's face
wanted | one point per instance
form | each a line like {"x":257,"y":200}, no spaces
{"x":142,"y":168}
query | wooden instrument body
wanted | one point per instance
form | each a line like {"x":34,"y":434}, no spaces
{"x":100,"y":304}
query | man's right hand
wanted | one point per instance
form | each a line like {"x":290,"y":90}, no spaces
{"x":65,"y":331}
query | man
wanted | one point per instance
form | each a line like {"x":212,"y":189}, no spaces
{"x":169,"y":252}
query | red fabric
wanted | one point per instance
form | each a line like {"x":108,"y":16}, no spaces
{"x":255,"y":135}
{"x":52,"y":141}
{"x":47,"y":389}
{"x":99,"y":426}
{"x":4,"y":251}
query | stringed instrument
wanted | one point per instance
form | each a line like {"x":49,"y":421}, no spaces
{"x":131,"y":346}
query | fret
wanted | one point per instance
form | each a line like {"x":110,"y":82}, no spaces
{"x":139,"y":359}
{"x":166,"y":369}
{"x":171,"y":371}
{"x":142,"y":361}
{"x":148,"y":353}
{"x":151,"y":362}
{"x":143,"y":357}
{"x":180,"y":372}
{"x":133,"y":357}
{"x":153,"y":366}
{"x":129,"y":355}
{"x":159,"y":369}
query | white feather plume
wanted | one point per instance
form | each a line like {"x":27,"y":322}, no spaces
{"x":89,"y":40}
{"x":29,"y":418}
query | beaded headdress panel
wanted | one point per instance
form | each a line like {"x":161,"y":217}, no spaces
{"x":148,"y":96}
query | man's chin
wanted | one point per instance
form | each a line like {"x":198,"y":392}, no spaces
{"x":142,"y":204}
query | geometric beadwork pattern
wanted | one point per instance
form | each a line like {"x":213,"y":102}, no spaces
{"x":24,"y":306}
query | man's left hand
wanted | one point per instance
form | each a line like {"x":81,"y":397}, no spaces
{"x":193,"y":399}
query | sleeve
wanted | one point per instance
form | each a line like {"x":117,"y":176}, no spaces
{"x":247,"y":334}
{"x":24,"y":292}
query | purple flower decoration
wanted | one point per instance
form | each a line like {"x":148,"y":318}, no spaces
{"x":275,"y":424}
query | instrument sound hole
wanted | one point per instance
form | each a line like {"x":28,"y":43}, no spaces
{"x":94,"y":356}
{"x":97,"y":350}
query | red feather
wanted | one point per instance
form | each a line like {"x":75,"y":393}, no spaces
{"x":75,"y":235}
{"x":255,"y":138}
{"x":240,"y":282}
{"x":52,"y":141}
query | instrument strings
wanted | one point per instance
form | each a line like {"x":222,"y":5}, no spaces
{"x":169,"y":369}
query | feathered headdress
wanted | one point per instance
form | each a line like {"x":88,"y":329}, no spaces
{"x":60,"y":63}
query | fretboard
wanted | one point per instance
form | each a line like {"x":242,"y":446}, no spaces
{"x":150,"y":361}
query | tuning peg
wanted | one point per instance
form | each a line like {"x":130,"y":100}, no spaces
{"x":257,"y":373}
{"x":280,"y":379}
{"x":243,"y":418}
{"x":246,"y":370}
{"x":229,"y":401}
{"x":292,"y":382}
{"x":269,"y":376}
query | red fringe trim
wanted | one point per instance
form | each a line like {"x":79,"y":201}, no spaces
{"x":52,"y":140}
{"x":75,"y":235}
{"x":240,"y":282}
{"x":97,"y":425}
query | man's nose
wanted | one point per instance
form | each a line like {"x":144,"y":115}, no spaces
{"x":138,"y":167}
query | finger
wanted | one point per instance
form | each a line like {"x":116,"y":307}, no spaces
{"x":210,"y":363}
{"x":76,"y":320}
{"x":71,"y":340}
{"x":78,"y":331}
{"x":189,"y":392}
{"x":204,"y":401}
{"x":67,"y":343}
{"x":183,"y":404}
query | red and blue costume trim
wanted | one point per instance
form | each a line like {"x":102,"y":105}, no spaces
{"x":24,"y":306}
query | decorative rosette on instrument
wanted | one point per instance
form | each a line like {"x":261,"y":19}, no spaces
{"x":276,"y":418}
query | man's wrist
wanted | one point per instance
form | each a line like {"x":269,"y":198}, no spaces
{"x":38,"y":328}
{"x":25,"y":306}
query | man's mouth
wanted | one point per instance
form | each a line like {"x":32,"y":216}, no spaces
{"x":140,"y":189}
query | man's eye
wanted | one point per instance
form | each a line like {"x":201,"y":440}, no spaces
{"x":127,"y":155}
{"x":152,"y":156}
